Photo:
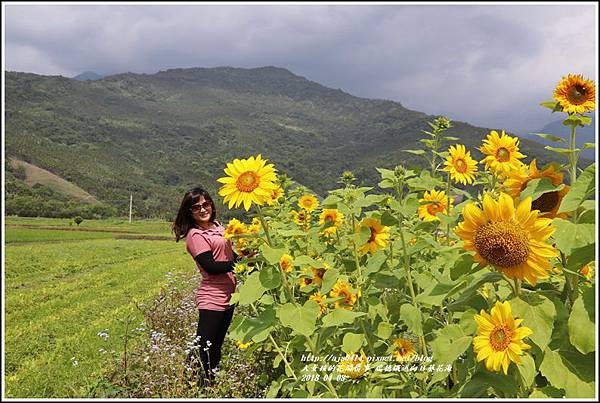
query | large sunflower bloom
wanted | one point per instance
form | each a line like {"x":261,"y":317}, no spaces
{"x":576,"y":94}
{"x":502,"y":152}
{"x":403,"y":349}
{"x":510,"y":239}
{"x":548,"y":203}
{"x":437,"y":202}
{"x":380,"y":235}
{"x":248,"y":181}
{"x":308,"y":202}
{"x":499,"y":338}
{"x":460,"y":165}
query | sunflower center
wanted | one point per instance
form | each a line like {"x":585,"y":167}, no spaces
{"x":577,"y":94}
{"x":248,"y":181}
{"x":546,"y":202}
{"x":434,"y":208}
{"x":502,"y":154}
{"x":503,"y":244}
{"x":461,"y":166}
{"x":373,"y":235}
{"x":500,"y":337}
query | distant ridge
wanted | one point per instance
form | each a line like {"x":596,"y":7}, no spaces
{"x":88,"y":76}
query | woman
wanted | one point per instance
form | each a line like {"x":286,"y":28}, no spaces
{"x":215,"y":259}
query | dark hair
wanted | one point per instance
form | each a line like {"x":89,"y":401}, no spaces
{"x":184,"y":220}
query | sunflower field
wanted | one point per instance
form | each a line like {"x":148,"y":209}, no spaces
{"x":465,"y":279}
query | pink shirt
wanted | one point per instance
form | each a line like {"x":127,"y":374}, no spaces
{"x":215,"y":290}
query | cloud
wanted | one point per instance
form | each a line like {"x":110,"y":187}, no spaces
{"x":489,"y":65}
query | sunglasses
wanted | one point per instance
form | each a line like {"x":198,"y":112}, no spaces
{"x":198,"y":207}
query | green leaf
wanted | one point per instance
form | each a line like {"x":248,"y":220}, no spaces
{"x":527,"y":371}
{"x":550,"y":137}
{"x":251,"y":290}
{"x":352,"y":342}
{"x":340,"y":317}
{"x":537,"y":187}
{"x":329,"y":279}
{"x":482,"y":381}
{"x":331,"y":201}
{"x":538,"y":314}
{"x":304,"y":260}
{"x":388,"y":219}
{"x":269,"y":277}
{"x":463,"y":265}
{"x":244,"y":328}
{"x":552,"y":104}
{"x":581,"y":256}
{"x":570,"y":371}
{"x":409,"y":205}
{"x":577,"y":120}
{"x":450,"y":138}
{"x":301,"y":319}
{"x":569,"y":236}
{"x":467,"y":294}
{"x":272,"y":255}
{"x":562,"y":150}
{"x":546,"y":392}
{"x":412,"y":317}
{"x":384,"y":330}
{"x":416,"y":152}
{"x":580,"y":191}
{"x":450,"y":343}
{"x":375,"y":262}
{"x":292,"y":232}
{"x":582,"y":329}
{"x":589,"y":145}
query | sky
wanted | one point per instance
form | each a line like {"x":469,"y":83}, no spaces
{"x":486,"y":64}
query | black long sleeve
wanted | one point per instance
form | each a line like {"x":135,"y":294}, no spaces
{"x":207,"y":261}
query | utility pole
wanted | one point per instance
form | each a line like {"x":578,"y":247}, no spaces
{"x":130,"y":206}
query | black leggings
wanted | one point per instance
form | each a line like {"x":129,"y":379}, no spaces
{"x":212,"y":327}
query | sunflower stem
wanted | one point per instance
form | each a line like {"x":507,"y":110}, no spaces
{"x":448,"y":207}
{"x":313,"y":348}
{"x":517,"y":288}
{"x":573,"y":155}
{"x":422,"y":343}
{"x":264,"y":224}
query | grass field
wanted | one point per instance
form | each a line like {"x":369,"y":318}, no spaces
{"x":63,"y":287}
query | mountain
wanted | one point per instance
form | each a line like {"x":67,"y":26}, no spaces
{"x":88,"y":75}
{"x":584,"y":135}
{"x":157,"y":135}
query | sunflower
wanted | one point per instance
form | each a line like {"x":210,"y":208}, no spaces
{"x":499,"y":338}
{"x":317,"y":275}
{"x":331,"y":216}
{"x":502,"y":152}
{"x":308,"y":202}
{"x":319,"y":299}
{"x":403,"y":349}
{"x":576,"y":94}
{"x":342,"y":289}
{"x":588,"y":272}
{"x":285,"y":262}
{"x":379,"y":238}
{"x":234,"y":228}
{"x":547,"y":203}
{"x":302,"y":217}
{"x":255,"y":226}
{"x":510,"y":239}
{"x":460,"y":165}
{"x":304,"y":281}
{"x":275,"y":195}
{"x":248,"y":181}
{"x":353,"y":365}
{"x":437,"y":202}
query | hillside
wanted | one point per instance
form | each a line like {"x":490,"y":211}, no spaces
{"x":585,"y":134}
{"x":156,"y":135}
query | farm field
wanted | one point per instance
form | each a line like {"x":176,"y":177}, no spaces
{"x":67,"y":294}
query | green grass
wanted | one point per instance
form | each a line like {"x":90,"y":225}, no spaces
{"x":149,"y":227}
{"x":44,"y":235}
{"x":58,"y":296}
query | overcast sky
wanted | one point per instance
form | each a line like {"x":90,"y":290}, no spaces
{"x":489,"y":65}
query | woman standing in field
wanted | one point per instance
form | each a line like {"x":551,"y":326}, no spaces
{"x":215,"y":259}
